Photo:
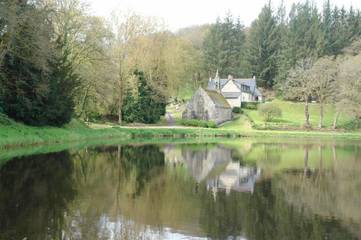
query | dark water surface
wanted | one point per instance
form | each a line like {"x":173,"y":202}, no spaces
{"x":247,"y":189}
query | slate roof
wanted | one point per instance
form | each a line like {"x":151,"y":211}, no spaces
{"x":217,"y":98}
{"x":231,"y":94}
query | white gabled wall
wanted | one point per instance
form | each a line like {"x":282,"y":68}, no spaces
{"x":234,"y":102}
{"x":246,"y":97}
{"x":230,"y":87}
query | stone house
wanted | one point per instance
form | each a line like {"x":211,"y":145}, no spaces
{"x":236,"y":91}
{"x":208,"y":105}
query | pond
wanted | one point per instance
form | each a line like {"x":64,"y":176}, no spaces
{"x":244,"y":189}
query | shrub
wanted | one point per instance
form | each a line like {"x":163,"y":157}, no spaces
{"x":236,"y":110}
{"x":352,"y":125}
{"x":198,"y":123}
{"x":146,"y":106}
{"x":269,"y":112}
{"x":211,"y":124}
{"x":249,"y":105}
{"x":4,"y":120}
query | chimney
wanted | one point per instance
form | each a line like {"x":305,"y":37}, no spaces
{"x":230,"y":77}
{"x":254,"y":77}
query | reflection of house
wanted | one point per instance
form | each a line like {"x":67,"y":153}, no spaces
{"x":214,"y":166}
{"x":199,"y":162}
{"x":236,"y":178}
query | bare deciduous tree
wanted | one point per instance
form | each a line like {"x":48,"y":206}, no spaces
{"x":323,"y":80}
{"x":128,"y":29}
{"x":299,"y":86}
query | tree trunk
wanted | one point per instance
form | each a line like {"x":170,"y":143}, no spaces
{"x":334,"y":125}
{"x":320,"y":124}
{"x":82,"y":109}
{"x":307,"y":114}
{"x":334,"y":156}
{"x":120,"y":114}
{"x":120,"y":101}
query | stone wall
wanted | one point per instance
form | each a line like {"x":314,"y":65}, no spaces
{"x":202,"y":107}
{"x":222,"y":115}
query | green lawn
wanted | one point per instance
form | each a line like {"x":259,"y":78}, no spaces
{"x":241,"y":123}
{"x":293,"y":115}
{"x":17,"y":134}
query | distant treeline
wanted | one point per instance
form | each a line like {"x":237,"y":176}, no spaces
{"x":58,"y":62}
{"x":277,"y":40}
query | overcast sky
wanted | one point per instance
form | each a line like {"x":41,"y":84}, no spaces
{"x":182,"y":13}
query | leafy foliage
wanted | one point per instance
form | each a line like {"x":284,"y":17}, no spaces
{"x":36,"y":87}
{"x":262,"y":46}
{"x":269,"y":112}
{"x":198,"y":123}
{"x":249,"y":105}
{"x":223,"y":47}
{"x":236,"y":110}
{"x":147,"y":106}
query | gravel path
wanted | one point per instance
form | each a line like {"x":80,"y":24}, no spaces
{"x":170,"y":119}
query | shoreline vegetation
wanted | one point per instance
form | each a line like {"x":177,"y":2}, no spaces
{"x":15,"y":135}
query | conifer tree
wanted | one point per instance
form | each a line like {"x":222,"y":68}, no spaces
{"x":25,"y":74}
{"x":224,"y":47}
{"x":37,"y":81}
{"x":263,"y":47}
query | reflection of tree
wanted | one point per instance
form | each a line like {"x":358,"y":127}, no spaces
{"x":306,"y":169}
{"x":263,"y":215}
{"x":143,"y":160}
{"x":121,"y":190}
{"x":221,"y":217}
{"x":34,"y":195}
{"x":109,"y":181}
{"x":330,"y":193}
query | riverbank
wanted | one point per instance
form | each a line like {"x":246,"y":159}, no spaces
{"x":19,"y":135}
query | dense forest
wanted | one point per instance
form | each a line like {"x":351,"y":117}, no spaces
{"x":59,"y":62}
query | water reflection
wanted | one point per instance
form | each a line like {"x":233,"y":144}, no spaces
{"x":34,"y":196}
{"x":238,"y":190}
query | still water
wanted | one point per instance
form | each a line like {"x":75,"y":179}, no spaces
{"x":247,"y":189}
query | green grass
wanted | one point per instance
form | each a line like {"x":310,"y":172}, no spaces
{"x":240,"y":124}
{"x":293,"y":116}
{"x":17,"y":134}
{"x":14,"y":134}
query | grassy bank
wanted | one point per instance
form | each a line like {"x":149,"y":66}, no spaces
{"x":14,"y":134}
{"x":293,"y":116}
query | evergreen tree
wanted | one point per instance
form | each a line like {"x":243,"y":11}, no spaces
{"x":303,"y":39}
{"x":223,"y":47}
{"x":327,"y":27}
{"x":263,"y":47}
{"x":25,"y":75}
{"x":63,"y":82}
{"x":37,"y":80}
{"x":130,"y":110}
{"x":148,"y":105}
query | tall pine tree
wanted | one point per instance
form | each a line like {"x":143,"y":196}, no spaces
{"x":303,"y":38}
{"x":37,"y":81}
{"x":263,"y":47}
{"x":223,"y":47}
{"x":24,"y":72}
